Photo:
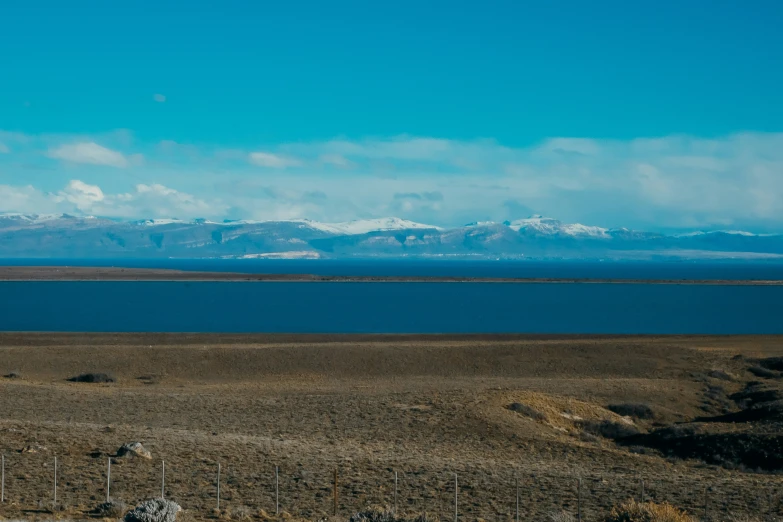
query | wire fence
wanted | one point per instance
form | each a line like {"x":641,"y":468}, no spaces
{"x":204,"y":485}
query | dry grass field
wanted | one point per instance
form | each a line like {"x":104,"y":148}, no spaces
{"x":497,"y":411}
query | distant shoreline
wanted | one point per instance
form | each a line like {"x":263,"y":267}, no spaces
{"x":76,"y":274}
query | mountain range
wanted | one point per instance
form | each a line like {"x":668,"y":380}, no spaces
{"x":536,"y":237}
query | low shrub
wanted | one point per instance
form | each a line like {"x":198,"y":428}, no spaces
{"x":13,"y":375}
{"x":150,"y":379}
{"x":716,"y":393}
{"x":721,"y":375}
{"x":112,"y":509}
{"x":587,"y":437}
{"x":385,"y":514}
{"x":93,"y":378}
{"x":764,"y":373}
{"x":560,"y":516}
{"x":526,"y":410}
{"x":608,"y":429}
{"x":635,"y":410}
{"x":633,"y":511}
{"x":756,"y":393}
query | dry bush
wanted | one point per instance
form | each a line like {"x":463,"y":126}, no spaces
{"x":560,"y":516}
{"x":526,"y":410}
{"x":111,"y":509}
{"x":243,"y":513}
{"x":633,"y":511}
{"x":635,"y":410}
{"x":608,"y":429}
{"x":385,"y":514}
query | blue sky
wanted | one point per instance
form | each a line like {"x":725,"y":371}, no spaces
{"x":648,"y":114}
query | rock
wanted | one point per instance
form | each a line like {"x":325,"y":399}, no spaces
{"x":33,"y":448}
{"x":134,"y":449}
{"x":154,"y":510}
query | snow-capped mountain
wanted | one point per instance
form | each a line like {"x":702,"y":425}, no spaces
{"x":364,"y":226}
{"x":537,"y":237}
{"x":548,"y":226}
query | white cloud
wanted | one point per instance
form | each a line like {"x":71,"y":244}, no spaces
{"x":275,"y":161}
{"x":146,"y":201}
{"x":159,"y":98}
{"x":25,"y":199}
{"x":81,"y":195}
{"x":335,"y":159}
{"x":665,"y":182}
{"x":91,"y":153}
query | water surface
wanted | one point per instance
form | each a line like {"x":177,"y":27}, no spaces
{"x":389,"y":307}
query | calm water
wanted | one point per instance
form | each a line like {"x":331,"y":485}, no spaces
{"x":389,"y":307}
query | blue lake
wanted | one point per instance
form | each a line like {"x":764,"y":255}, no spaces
{"x":389,"y":307}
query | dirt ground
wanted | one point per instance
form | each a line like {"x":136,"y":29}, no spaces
{"x":427,"y":408}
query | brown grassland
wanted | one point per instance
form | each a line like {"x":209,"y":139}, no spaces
{"x":497,"y":411}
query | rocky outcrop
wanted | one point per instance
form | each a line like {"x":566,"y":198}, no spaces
{"x":134,"y":449}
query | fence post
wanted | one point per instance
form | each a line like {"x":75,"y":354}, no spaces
{"x":2,"y":482}
{"x":55,"y":481}
{"x":163,"y":481}
{"x":108,"y":480}
{"x":218,"y":487}
{"x":456,"y":499}
{"x":706,"y":504}
{"x":516,"y":518}
{"x":642,"y":497}
{"x":277,"y":490}
{"x":579,"y":501}
{"x":395,"y":493}
{"x":335,"y":491}
{"x":771,"y":508}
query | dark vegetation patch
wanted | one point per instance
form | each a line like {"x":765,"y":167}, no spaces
{"x":715,"y":400}
{"x":760,"y":412}
{"x":93,"y":378}
{"x":764,"y":373}
{"x":715,"y":393}
{"x":13,"y":375}
{"x":755,"y":393}
{"x":608,"y":429}
{"x":772,"y":363}
{"x":748,"y":451}
{"x":635,"y":410}
{"x":587,"y":437}
{"x":524,"y":409}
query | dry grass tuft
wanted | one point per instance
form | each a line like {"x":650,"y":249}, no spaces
{"x":560,"y":516}
{"x":385,"y":514}
{"x":633,"y":511}
{"x":112,"y":509}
